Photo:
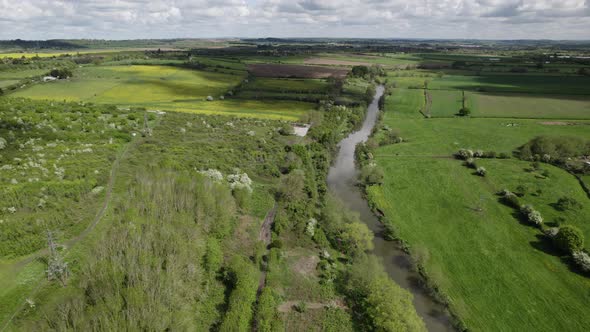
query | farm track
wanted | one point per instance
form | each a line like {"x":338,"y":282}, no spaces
{"x":72,"y":241}
{"x":265,"y":236}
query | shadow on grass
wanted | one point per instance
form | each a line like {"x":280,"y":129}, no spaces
{"x":544,"y":244}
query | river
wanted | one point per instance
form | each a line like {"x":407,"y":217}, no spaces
{"x":342,"y":179}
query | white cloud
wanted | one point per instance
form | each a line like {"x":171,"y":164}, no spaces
{"x":118,"y":19}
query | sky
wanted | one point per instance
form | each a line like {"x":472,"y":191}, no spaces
{"x":445,"y":19}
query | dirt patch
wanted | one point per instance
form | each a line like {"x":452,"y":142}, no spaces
{"x":296,"y":71}
{"x":562,"y":123}
{"x":288,"y":306}
{"x":306,"y":265}
{"x":332,"y":62}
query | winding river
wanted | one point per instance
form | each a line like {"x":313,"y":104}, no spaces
{"x":342,"y":178}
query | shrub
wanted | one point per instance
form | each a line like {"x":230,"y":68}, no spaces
{"x":533,"y":216}
{"x":478,"y":153}
{"x":511,"y":200}
{"x":286,"y":130}
{"x":2,"y":143}
{"x":481,"y":171}
{"x":61,"y":73}
{"x":489,"y":154}
{"x":582,"y":260}
{"x":567,"y":203}
{"x":569,"y":239}
{"x":300,"y":307}
{"x":503,"y":155}
{"x":521,"y":190}
{"x":391,"y":138}
{"x":278,"y":244}
{"x":371,"y":175}
{"x":470,"y":162}
{"x":464,"y":154}
{"x":464,"y":111}
{"x":551,"y":232}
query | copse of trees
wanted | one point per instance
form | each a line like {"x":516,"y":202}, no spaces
{"x":61,"y":73}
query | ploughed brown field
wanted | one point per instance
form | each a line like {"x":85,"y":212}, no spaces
{"x":298,"y":71}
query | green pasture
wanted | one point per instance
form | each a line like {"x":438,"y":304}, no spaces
{"x":529,"y":106}
{"x":538,"y":84}
{"x":446,"y":103}
{"x":497,"y":272}
{"x":406,"y":103}
{"x":164,"y":88}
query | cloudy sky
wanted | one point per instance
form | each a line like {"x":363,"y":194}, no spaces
{"x":131,"y":19}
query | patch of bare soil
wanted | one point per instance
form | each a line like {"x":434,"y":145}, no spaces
{"x":295,"y":71}
{"x":332,"y":62}
{"x":561,"y":123}
{"x":306,"y":265}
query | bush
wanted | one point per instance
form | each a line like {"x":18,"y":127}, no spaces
{"x":532,"y":216}
{"x":300,"y":307}
{"x":489,"y":154}
{"x":286,"y":130}
{"x":464,"y":111}
{"x":371,"y":175}
{"x":481,"y":171}
{"x":582,"y":260}
{"x":503,"y":155}
{"x":464,"y":154}
{"x":61,"y":73}
{"x":511,"y":200}
{"x":470,"y":162}
{"x":569,"y":239}
{"x":567,"y":203}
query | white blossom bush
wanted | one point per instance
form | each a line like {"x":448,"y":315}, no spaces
{"x":481,"y":171}
{"x":310,"y":228}
{"x":213,"y":174}
{"x":240,"y":181}
{"x":3,"y":143}
{"x":582,"y":260}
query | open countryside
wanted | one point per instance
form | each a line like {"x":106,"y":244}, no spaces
{"x":293,"y":184}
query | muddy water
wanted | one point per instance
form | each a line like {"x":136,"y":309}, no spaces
{"x":341,"y":181}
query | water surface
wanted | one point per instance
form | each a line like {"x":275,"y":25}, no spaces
{"x":341,"y":181}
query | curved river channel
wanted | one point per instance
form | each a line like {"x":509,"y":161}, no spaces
{"x":342,"y":178}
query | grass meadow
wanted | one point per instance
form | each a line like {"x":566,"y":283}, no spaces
{"x":529,"y":106}
{"x":496,"y":272}
{"x":164,"y":88}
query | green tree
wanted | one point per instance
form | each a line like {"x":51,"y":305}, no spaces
{"x":569,"y":239}
{"x":356,"y":238}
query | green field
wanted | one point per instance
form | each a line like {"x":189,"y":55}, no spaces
{"x":164,"y":88}
{"x":529,"y":106}
{"x":496,"y":272}
{"x":446,"y":103}
{"x":537,"y":84}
